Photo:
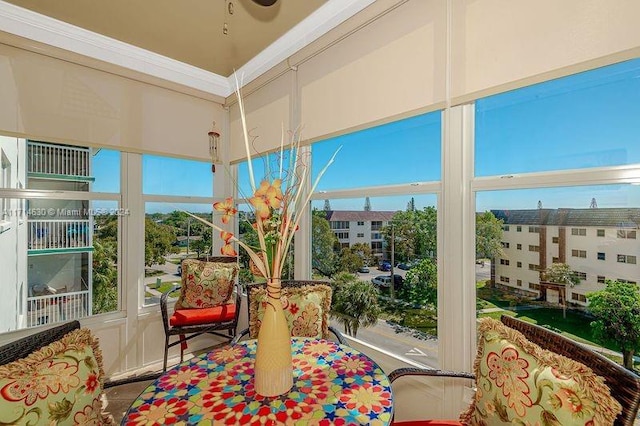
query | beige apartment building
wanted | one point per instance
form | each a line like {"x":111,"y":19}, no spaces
{"x":597,"y":243}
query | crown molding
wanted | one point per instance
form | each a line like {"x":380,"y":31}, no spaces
{"x":46,"y":30}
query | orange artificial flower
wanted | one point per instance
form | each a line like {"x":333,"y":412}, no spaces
{"x":228,"y":250}
{"x":268,"y":196}
{"x":226,"y":236}
{"x":227,"y":207}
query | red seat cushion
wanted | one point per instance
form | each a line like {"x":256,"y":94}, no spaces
{"x":221,"y":313}
{"x":428,"y":423}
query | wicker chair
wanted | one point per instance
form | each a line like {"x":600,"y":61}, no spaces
{"x":28,"y":344}
{"x":187,"y":332}
{"x":286,"y":284}
{"x":623,"y":384}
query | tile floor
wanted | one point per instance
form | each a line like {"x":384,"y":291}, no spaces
{"x":119,"y":398}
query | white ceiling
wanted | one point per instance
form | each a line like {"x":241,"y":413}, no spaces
{"x":181,"y":42}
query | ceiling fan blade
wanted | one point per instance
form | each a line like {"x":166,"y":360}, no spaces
{"x":265,"y":2}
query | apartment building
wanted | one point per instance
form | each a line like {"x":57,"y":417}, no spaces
{"x":597,"y":243}
{"x":50,"y":272}
{"x":352,"y":227}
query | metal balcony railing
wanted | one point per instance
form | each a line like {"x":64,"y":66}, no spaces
{"x":59,"y":234}
{"x":48,"y":159}
{"x":54,"y":308}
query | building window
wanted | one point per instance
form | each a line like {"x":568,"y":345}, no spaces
{"x":505,"y":228}
{"x":376,"y":236}
{"x":625,"y":258}
{"x":360,"y":223}
{"x":533,"y":267}
{"x":534,"y":286}
{"x":581,"y":275}
{"x":579,"y":297}
{"x":601,"y":256}
{"x":342,"y":235}
{"x":339,"y":224}
{"x":504,"y":261}
{"x":579,"y":253}
{"x":504,"y":279}
{"x":534,"y":248}
{"x":360,"y":235}
{"x":505,"y":244}
{"x":519,"y":246}
{"x":519,"y":264}
{"x":579,"y":231}
{"x":518,"y":228}
{"x":600,"y":232}
{"x":555,"y":259}
{"x":519,"y":283}
{"x":622,"y":280}
{"x":376,"y":225}
{"x":601,"y":279}
{"x":624,"y":233}
{"x":555,"y":240}
{"x":534,"y":229}
{"x":376,"y":246}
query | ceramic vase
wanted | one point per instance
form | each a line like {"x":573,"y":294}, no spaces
{"x":273,"y":369}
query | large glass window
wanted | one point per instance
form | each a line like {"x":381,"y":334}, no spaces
{"x":581,"y":121}
{"x":59,"y":248}
{"x":171,"y":188}
{"x":374,"y":222}
{"x":586,"y":220}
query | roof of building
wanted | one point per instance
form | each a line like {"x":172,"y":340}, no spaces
{"x":359,"y":215}
{"x":610,"y":217}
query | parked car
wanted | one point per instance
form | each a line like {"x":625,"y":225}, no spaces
{"x":403,"y":266}
{"x":385,"y":281}
{"x":364,"y":269}
{"x":384,"y":266}
{"x":381,"y":280}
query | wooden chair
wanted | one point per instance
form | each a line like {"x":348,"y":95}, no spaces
{"x":287,"y":284}
{"x":623,"y":384}
{"x":200,"y":320}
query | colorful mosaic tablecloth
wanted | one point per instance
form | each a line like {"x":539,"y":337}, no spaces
{"x":333,"y":385}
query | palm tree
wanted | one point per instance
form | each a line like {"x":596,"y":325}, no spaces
{"x":355,"y":303}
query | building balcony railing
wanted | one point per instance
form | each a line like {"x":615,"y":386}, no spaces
{"x":59,"y":234}
{"x":55,"y":308}
{"x":45,"y":159}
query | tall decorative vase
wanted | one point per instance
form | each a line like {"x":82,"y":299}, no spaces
{"x":273,"y":369}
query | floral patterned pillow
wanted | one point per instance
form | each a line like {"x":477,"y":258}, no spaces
{"x":306,"y":309}
{"x":520,"y":383}
{"x":60,"y":383}
{"x":206,"y":284}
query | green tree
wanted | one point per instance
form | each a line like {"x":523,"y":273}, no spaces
{"x":363,"y":251}
{"x":202,"y":246}
{"x":323,"y":257}
{"x":420,"y":285}
{"x":349,"y":260}
{"x":159,"y":239}
{"x":415,"y":233}
{"x":617,"y":312}
{"x":354,"y":303}
{"x":488,"y":236}
{"x":561,"y":273}
{"x":105,"y":276}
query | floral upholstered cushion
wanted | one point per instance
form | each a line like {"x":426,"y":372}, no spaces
{"x":520,"y":383}
{"x":206,"y":284}
{"x":306,"y":309}
{"x":60,"y":383}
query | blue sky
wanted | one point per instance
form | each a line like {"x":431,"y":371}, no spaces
{"x":586,"y":120}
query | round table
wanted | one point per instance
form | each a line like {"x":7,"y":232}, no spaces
{"x":333,"y":385}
